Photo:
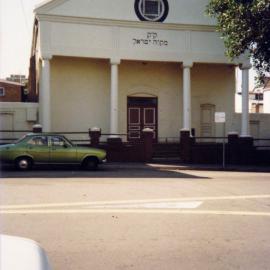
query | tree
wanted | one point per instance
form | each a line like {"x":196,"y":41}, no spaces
{"x":245,"y":27}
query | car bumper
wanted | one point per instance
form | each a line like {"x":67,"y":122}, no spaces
{"x":103,"y":161}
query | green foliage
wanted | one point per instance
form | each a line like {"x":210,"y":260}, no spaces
{"x":245,"y":27}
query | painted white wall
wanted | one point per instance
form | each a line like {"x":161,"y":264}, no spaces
{"x":213,"y":84}
{"x":81,"y":92}
{"x":83,"y":35}
{"x":162,"y":80}
{"x":17,"y":116}
{"x":175,"y":43}
{"x":266,"y":104}
{"x":259,"y":124}
{"x":181,"y":11}
{"x":106,"y":29}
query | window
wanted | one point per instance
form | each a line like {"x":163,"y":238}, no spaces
{"x":57,"y":141}
{"x":38,"y":140}
{"x":259,"y":96}
{"x":2,"y":91}
{"x":152,"y":10}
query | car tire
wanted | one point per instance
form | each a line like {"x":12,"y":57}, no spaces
{"x":90,"y":163}
{"x":24,"y":163}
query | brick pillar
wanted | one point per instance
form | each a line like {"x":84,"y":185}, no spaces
{"x":233,"y":148}
{"x":115,"y":149}
{"x":94,"y":134}
{"x":186,"y":142}
{"x":246,"y":150}
{"x":148,"y":136}
{"x":37,"y":128}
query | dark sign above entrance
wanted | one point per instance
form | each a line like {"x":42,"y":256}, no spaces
{"x":152,"y":10}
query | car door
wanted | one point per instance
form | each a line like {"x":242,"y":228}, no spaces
{"x":61,"y":151}
{"x":37,"y":147}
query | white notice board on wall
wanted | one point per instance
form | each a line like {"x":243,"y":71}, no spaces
{"x":220,"y":117}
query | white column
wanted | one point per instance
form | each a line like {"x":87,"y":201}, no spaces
{"x":45,"y":96}
{"x":114,"y":97}
{"x":245,"y":131}
{"x":187,"y":96}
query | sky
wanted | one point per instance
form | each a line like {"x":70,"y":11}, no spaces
{"x":16,"y":24}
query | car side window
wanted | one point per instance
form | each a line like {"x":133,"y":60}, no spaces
{"x":38,"y":141}
{"x":57,"y":141}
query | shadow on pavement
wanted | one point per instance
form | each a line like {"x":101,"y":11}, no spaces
{"x":104,"y":171}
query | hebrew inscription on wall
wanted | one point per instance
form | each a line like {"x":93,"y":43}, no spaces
{"x":151,"y":39}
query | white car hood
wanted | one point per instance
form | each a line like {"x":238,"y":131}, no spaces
{"x":18,"y":253}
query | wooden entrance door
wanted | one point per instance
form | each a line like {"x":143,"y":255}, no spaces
{"x":142,"y":113}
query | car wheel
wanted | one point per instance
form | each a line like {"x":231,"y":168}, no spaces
{"x":23,"y":163}
{"x":90,"y":163}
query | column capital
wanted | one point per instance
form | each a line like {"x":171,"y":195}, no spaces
{"x":46,"y":57}
{"x":115,"y":61}
{"x":188,"y":64}
{"x":245,"y":65}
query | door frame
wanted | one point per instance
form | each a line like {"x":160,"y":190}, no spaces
{"x":142,"y":107}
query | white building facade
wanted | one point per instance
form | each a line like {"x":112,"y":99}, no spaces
{"x":125,"y":65}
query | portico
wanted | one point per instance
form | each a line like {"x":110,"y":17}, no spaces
{"x":93,"y":61}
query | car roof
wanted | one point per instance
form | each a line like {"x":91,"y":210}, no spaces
{"x":44,"y":134}
{"x":20,"y":253}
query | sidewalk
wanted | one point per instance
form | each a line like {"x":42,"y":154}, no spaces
{"x":181,"y":166}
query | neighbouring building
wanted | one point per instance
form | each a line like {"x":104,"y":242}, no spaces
{"x":17,"y":78}
{"x":266,"y":93}
{"x":125,"y":65}
{"x":12,"y":91}
{"x":16,"y":112}
{"x":256,"y":101}
{"x":258,"y":98}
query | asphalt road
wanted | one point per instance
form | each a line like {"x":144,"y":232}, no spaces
{"x":141,"y":219}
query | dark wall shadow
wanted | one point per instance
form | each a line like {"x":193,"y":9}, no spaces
{"x":143,"y":171}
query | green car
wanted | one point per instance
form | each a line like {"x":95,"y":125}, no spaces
{"x":49,"y":149}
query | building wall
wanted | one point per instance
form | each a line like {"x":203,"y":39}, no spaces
{"x":180,"y":11}
{"x":155,"y":42}
{"x":162,"y":80}
{"x":18,"y":115}
{"x":81,"y":92}
{"x":215,"y":85}
{"x":105,"y":29}
{"x":13,"y":93}
{"x":259,"y":124}
{"x":266,"y":107}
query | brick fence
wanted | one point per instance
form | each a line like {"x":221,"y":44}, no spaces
{"x":118,"y":151}
{"x":238,"y":150}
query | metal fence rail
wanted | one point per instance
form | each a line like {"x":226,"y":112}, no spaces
{"x":210,"y":140}
{"x":262,"y":144}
